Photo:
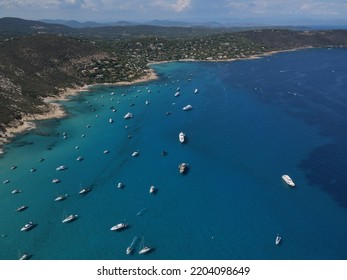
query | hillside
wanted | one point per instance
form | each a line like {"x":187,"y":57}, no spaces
{"x":42,"y":62}
{"x":37,"y":66}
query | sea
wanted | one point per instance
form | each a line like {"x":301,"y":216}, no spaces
{"x":251,"y":122}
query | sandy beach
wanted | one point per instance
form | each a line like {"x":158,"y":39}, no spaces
{"x":54,"y":110}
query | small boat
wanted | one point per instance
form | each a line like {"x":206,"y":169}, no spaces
{"x":278,"y":239}
{"x":135,"y":154}
{"x":177,"y":94}
{"x":164,"y":153}
{"x":187,"y":108}
{"x":61,"y":167}
{"x":130,"y":248}
{"x":128,"y":115}
{"x":120,"y":185}
{"x":110,"y":120}
{"x":182,"y":167}
{"x":15,"y":191}
{"x":80,"y":158}
{"x":196,"y":90}
{"x":147,"y":102}
{"x":119,"y":226}
{"x":21,"y":208}
{"x":152,"y":190}
{"x":288,"y":180}
{"x":55,"y":181}
{"x":25,"y":256}
{"x":61,"y":197}
{"x":27,"y":226}
{"x":33,"y":169}
{"x":84,"y":190}
{"x":6,"y":181}
{"x":181,"y":137}
{"x":13,"y":167}
{"x":144,"y":249}
{"x":69,"y":218}
{"x":106,"y":151}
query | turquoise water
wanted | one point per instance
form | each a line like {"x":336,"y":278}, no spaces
{"x":251,"y":122}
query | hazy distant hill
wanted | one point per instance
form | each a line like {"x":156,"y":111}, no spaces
{"x":11,"y":27}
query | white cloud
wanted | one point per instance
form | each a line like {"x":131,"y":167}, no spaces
{"x":177,"y":6}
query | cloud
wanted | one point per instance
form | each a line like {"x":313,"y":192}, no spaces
{"x":177,"y":6}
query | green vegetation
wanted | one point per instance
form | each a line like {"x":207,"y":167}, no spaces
{"x":52,"y":57}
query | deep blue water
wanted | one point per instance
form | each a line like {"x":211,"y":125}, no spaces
{"x":251,"y":122}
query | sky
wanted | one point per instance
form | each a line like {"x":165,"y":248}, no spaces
{"x":224,"y":11}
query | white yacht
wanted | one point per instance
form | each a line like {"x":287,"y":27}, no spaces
{"x":61,"y":167}
{"x":128,"y":115}
{"x":119,"y":226}
{"x":152,"y":189}
{"x":288,"y":180}
{"x":69,"y":218}
{"x":21,"y":208}
{"x":15,"y":191}
{"x":187,"y":108}
{"x":84,"y":190}
{"x":27,"y":226}
{"x":61,"y":197}
{"x":182,"y":167}
{"x":181,"y":137}
{"x":25,"y":256}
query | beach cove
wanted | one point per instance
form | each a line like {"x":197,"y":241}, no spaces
{"x":251,"y":122}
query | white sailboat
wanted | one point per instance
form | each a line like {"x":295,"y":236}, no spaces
{"x":130,"y":248}
{"x":278,"y":239}
{"x":144,"y":249}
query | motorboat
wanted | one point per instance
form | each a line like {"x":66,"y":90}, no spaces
{"x":120,"y":185}
{"x":61,"y":167}
{"x":288,"y":180}
{"x":278,"y":239}
{"x":55,"y":181}
{"x":84,"y":190}
{"x":80,"y":158}
{"x":152,"y":190}
{"x":15,"y":191}
{"x":69,"y":218}
{"x":27,"y":226}
{"x":181,"y":137}
{"x":119,"y":226}
{"x":182,"y":167}
{"x":61,"y":197}
{"x":135,"y":154}
{"x":106,"y":151}
{"x":6,"y":181}
{"x":128,"y":115}
{"x":177,"y":94}
{"x":196,"y":90}
{"x":110,"y":120}
{"x":187,"y":108}
{"x":25,"y":256}
{"x":21,"y":208}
